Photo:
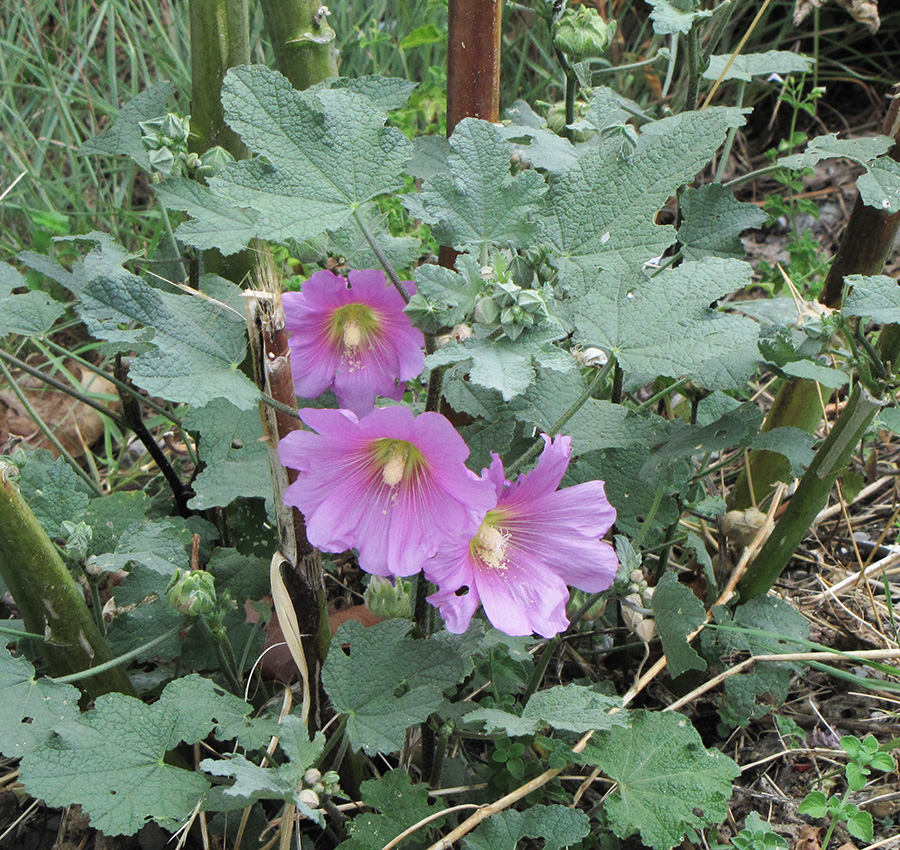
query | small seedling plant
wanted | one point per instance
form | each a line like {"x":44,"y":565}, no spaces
{"x":497,"y":452}
{"x":864,"y":756}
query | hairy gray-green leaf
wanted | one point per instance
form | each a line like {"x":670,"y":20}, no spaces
{"x":668,"y":782}
{"x":880,"y":186}
{"x":29,"y":313}
{"x":235,"y":458}
{"x":794,"y":444}
{"x":596,"y":425}
{"x":479,"y":202}
{"x":349,"y":243}
{"x":31,"y":708}
{"x":830,"y":146}
{"x":124,"y":136}
{"x":632,"y":493}
{"x":282,"y":782}
{"x":748,"y":65}
{"x":388,"y":681}
{"x":195,"y":346}
{"x":59,"y":498}
{"x":323,"y":152}
{"x":677,"y":613}
{"x":664,"y":325}
{"x":215,"y":225}
{"x":502,"y":365}
{"x":571,"y":708}
{"x":540,"y":146}
{"x":671,"y":16}
{"x":160,"y":545}
{"x":384,"y":93}
{"x":736,"y":428}
{"x":600,"y":213}
{"x":111,"y":760}
{"x":713,"y":222}
{"x":559,"y":826}
{"x":875,"y":296}
{"x":834,"y":379}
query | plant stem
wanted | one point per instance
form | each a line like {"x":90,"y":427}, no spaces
{"x":220,"y":39}
{"x":132,"y":410}
{"x":225,"y":655}
{"x":693,"y":62}
{"x":302,"y":40}
{"x":811,"y":495}
{"x":121,"y":659}
{"x":729,"y":139}
{"x":535,"y":448}
{"x":48,"y":598}
{"x":382,"y":257}
{"x":571,"y":91}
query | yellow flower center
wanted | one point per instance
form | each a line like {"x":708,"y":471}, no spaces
{"x":350,"y":328}
{"x":490,"y":543}
{"x":398,"y":460}
{"x":352,"y":335}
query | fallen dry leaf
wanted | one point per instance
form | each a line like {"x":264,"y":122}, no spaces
{"x":809,"y":838}
{"x":863,"y":11}
{"x":73,"y":423}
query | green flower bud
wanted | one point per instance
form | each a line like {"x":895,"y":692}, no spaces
{"x":486,"y":311}
{"x":582,"y":33}
{"x":193,"y":592}
{"x":388,"y":600}
{"x":213,"y":161}
{"x":78,"y":536}
{"x":505,"y":294}
{"x":532,"y":302}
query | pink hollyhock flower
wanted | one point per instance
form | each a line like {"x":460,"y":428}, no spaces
{"x":392,"y":485}
{"x":533,"y":542}
{"x":353,"y":338}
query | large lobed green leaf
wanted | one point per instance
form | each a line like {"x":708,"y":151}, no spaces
{"x":112,"y":759}
{"x":600,"y":213}
{"x":664,"y":325}
{"x":27,"y":313}
{"x":667,"y":780}
{"x":323,"y":152}
{"x":388,"y":681}
{"x":478,"y":202}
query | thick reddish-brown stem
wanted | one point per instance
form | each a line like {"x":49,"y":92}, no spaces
{"x":473,"y":60}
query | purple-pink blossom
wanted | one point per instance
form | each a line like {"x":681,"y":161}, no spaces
{"x":392,"y":485}
{"x":534,"y":541}
{"x":353,"y":338}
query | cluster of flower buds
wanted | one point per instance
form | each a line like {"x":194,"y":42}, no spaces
{"x":390,"y":600}
{"x":166,"y":141}
{"x":581,"y":33}
{"x":316,"y":785}
{"x":192,"y":592}
{"x":78,"y":537}
{"x":509,"y":305}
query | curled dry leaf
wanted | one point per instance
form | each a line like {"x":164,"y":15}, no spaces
{"x":808,"y":839}
{"x":863,"y":11}
{"x":73,"y":423}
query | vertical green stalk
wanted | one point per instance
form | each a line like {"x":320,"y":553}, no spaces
{"x":830,"y":461}
{"x":694,"y":62}
{"x":48,"y":598}
{"x":302,"y":41}
{"x":220,"y":39}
